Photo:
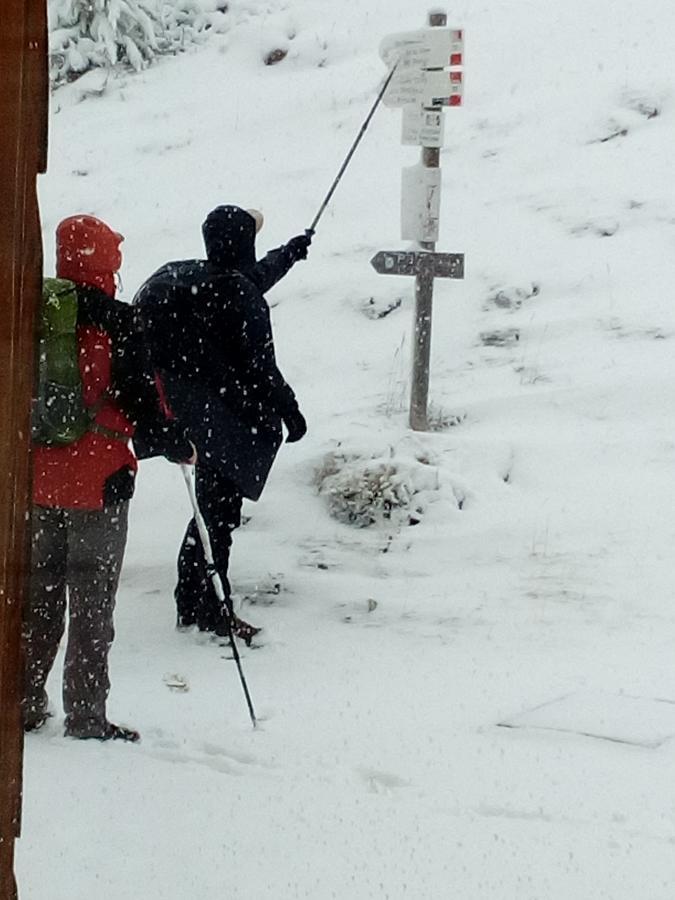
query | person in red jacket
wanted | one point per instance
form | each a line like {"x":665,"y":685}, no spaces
{"x":81,"y":491}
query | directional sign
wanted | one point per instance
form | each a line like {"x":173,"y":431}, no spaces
{"x":420,"y":203}
{"x":428,"y":67}
{"x":407,"y":49}
{"x":408,"y":86}
{"x":424,"y":87}
{"x":414,"y":262}
{"x":422,"y":127}
{"x":428,"y":48}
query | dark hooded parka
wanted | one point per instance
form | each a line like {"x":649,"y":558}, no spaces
{"x":209,"y":328}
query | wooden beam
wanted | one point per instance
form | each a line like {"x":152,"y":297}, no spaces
{"x":23,"y":149}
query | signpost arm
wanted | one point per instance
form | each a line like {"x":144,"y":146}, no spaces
{"x":424,"y":289}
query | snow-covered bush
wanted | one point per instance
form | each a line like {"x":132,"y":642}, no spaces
{"x":362,"y":492}
{"x":86,"y":34}
{"x":185,"y":22}
{"x":512,"y":297}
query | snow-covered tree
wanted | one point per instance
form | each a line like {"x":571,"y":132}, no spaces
{"x":85,"y":34}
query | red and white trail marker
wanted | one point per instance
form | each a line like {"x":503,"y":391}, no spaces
{"x":443,"y":88}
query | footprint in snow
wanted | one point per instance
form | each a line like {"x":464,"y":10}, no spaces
{"x":382,"y":782}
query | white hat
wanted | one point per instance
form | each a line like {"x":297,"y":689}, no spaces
{"x":259,"y":218}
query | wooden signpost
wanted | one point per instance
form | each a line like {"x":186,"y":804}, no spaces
{"x":23,"y":148}
{"x":428,"y":77}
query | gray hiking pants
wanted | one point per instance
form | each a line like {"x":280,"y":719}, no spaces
{"x":77,"y":553}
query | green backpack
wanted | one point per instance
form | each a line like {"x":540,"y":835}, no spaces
{"x":59,"y":414}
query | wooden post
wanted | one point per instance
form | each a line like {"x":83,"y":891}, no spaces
{"x":23,"y":144}
{"x":424,"y":290}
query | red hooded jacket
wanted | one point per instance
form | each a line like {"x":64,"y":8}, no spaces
{"x":75,"y":476}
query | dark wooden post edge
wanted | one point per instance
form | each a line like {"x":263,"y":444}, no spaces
{"x":23,"y":145}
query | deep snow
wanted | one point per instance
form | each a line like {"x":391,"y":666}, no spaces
{"x":379,"y":769}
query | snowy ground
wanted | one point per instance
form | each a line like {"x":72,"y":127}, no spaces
{"x":391,"y":653}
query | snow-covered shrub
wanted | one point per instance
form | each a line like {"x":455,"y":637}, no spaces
{"x":512,"y":297}
{"x":185,"y":22}
{"x":85,"y":34}
{"x":379,"y":307}
{"x":362,"y":492}
{"x":440,"y":419}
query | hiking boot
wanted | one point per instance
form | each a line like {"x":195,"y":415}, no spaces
{"x":109,"y":732}
{"x":120,"y":733}
{"x":35,"y":709}
{"x":244,"y":630}
{"x":35,"y":721}
{"x":184,"y":623}
{"x":240,"y":629}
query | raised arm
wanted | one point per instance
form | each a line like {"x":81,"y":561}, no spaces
{"x":272,"y":267}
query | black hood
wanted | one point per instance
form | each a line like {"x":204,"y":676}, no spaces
{"x":229,"y":237}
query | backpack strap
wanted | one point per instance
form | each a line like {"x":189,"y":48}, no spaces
{"x":94,"y":410}
{"x":109,"y":433}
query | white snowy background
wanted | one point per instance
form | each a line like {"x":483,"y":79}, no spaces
{"x":542,"y":565}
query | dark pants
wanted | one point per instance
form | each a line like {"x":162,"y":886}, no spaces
{"x":76,"y":559}
{"x":220,"y":502}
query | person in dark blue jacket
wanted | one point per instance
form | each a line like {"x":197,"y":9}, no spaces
{"x":208,"y":326}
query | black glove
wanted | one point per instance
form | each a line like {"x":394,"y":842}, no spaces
{"x":295,"y":426}
{"x":185,"y":454}
{"x":299,"y":246}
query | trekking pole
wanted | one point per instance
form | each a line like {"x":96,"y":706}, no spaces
{"x":217,"y":582}
{"x":312,"y":228}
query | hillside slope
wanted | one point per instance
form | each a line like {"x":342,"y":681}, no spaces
{"x":541,"y":566}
